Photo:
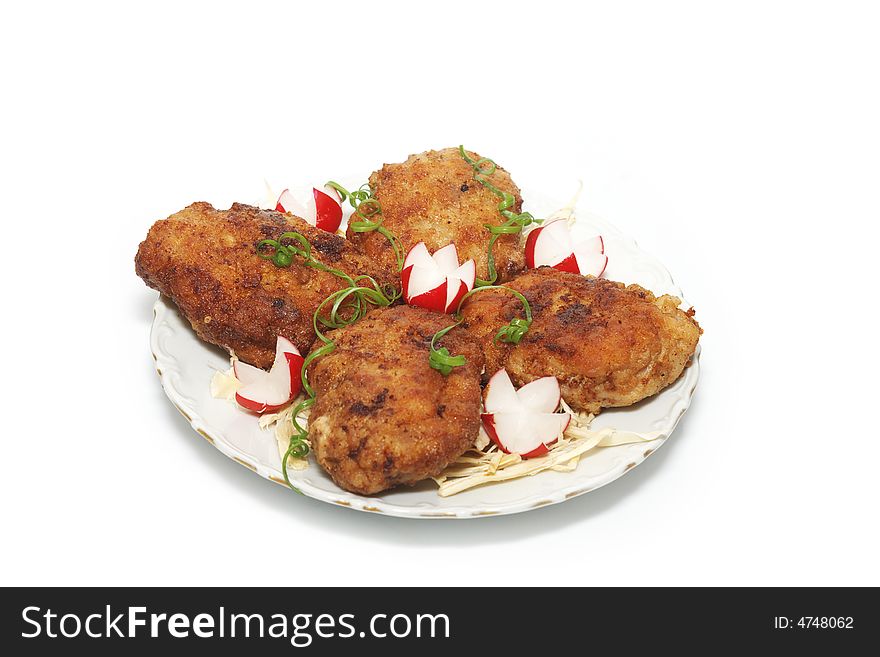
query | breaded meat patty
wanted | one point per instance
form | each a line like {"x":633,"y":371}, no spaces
{"x":433,"y":198}
{"x":206,"y":261}
{"x":383,"y":417}
{"x":607,"y":343}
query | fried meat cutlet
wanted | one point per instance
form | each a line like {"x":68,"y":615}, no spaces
{"x":382,"y":416}
{"x":608,"y":344}
{"x":433,"y":198}
{"x":205,"y":260}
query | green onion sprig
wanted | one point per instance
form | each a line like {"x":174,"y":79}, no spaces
{"x":298,"y":447}
{"x":440,"y":358}
{"x":513,"y":222}
{"x":368,"y":216}
{"x":350,"y":304}
{"x":290,"y":245}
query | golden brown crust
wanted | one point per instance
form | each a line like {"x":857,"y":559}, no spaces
{"x":608,"y":344}
{"x":205,"y":260}
{"x":383,"y":417}
{"x":433,"y":198}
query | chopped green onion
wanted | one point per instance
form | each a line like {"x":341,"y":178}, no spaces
{"x":440,"y":359}
{"x":513,"y":222}
{"x":511,"y":333}
{"x":368,"y":216}
{"x":282,"y":255}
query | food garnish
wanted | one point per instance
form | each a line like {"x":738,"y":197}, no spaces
{"x":368,"y":215}
{"x":281,"y":424}
{"x":436,"y":282}
{"x":224,"y":385}
{"x":267,"y":392}
{"x":439,"y":358}
{"x":513,"y":222}
{"x":292,"y":244}
{"x":485,"y":463}
{"x":289,"y":245}
{"x":511,"y":333}
{"x":523,"y":421}
{"x":320,"y":208}
{"x":552,"y":245}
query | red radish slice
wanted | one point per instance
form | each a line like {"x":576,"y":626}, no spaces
{"x":590,"y":255}
{"x":289,"y":202}
{"x":541,"y":395}
{"x":433,"y":283}
{"x":454,"y":298}
{"x":333,"y":193}
{"x":424,"y":279}
{"x":286,"y":346}
{"x":523,"y":421}
{"x":549,"y":244}
{"x":418,"y":256}
{"x":592,"y":264}
{"x":320,"y":208}
{"x":525,"y":433}
{"x":570,"y":264}
{"x":446,"y":258}
{"x":328,"y":210}
{"x":594,"y":244}
{"x":552,"y":245}
{"x":436,"y":282}
{"x":247,"y":374}
{"x":433,"y":299}
{"x":267,"y":392}
{"x":500,"y":395}
{"x":465,"y":275}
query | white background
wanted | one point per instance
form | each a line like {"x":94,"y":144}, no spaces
{"x":739,"y":142}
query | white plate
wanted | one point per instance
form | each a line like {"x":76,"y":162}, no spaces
{"x":186,"y":365}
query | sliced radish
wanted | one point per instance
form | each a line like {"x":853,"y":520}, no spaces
{"x":328,"y":209}
{"x":525,"y":433}
{"x":500,"y":395}
{"x":523,"y":421}
{"x":446,"y":257}
{"x":541,"y":395}
{"x":436,"y":282}
{"x":552,"y":245}
{"x":321,"y":208}
{"x":549,"y":244}
{"x":592,"y":264}
{"x":288,"y":202}
{"x":333,"y":193}
{"x":418,"y":255}
{"x":247,"y":374}
{"x":267,"y":392}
